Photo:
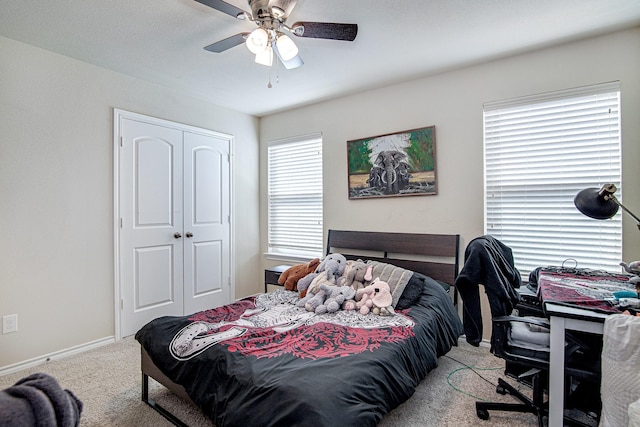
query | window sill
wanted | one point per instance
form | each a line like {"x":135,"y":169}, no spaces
{"x":291,"y":258}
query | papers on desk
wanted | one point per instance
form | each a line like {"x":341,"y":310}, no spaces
{"x":585,"y":289}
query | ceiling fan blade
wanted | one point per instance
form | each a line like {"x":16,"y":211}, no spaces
{"x":325,"y":30}
{"x":225,"y":7}
{"x":227,"y":43}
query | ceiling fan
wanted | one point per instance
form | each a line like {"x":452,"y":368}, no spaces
{"x":271,"y":35}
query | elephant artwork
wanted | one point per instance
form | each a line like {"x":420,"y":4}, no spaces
{"x":389,"y":162}
{"x":394,"y":164}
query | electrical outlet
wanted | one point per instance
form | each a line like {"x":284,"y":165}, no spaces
{"x":9,"y":323}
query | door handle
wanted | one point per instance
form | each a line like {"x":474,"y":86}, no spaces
{"x":177,"y":235}
{"x":189,"y":234}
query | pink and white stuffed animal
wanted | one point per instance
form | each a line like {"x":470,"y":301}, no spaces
{"x":382,"y":299}
{"x":375,"y":298}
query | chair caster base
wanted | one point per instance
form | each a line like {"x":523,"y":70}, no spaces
{"x":482,"y":414}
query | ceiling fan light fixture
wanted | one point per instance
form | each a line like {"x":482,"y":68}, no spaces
{"x":265,"y":57}
{"x":277,"y":12}
{"x":286,"y":47}
{"x":257,"y":41}
{"x":270,"y":39}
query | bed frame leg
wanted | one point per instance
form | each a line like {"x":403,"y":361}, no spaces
{"x":156,"y":406}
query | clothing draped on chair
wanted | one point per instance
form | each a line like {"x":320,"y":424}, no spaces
{"x":489,"y":262}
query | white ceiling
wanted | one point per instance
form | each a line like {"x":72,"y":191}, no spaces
{"x":162,"y":41}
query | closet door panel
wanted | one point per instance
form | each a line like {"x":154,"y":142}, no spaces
{"x":151,"y":253}
{"x":206,"y":222}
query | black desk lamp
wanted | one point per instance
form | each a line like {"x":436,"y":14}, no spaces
{"x":601,"y":203}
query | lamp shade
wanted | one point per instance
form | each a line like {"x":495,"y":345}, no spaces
{"x":265,"y":57}
{"x":257,"y":41}
{"x":286,"y":47}
{"x":592,"y":203}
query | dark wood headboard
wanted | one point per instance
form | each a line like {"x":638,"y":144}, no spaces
{"x":434,"y":255}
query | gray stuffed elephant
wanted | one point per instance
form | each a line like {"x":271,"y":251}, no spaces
{"x":329,"y":270}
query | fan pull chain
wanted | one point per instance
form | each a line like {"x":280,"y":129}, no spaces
{"x":269,"y":85}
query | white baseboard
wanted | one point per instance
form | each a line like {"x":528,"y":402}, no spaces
{"x":10,"y":369}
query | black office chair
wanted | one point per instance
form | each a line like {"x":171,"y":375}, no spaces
{"x":523,"y":342}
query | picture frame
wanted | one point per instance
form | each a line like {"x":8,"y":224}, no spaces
{"x":408,"y":157}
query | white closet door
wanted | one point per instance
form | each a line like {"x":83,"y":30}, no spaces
{"x":206,"y":222}
{"x":174,"y":230}
{"x":151,"y":242}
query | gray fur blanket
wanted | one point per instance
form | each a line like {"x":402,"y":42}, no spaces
{"x":38,"y":400}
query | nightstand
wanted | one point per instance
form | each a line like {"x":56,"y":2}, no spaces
{"x":272,"y":274}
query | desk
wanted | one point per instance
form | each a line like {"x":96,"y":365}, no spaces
{"x":581,"y":289}
{"x":562,"y":318}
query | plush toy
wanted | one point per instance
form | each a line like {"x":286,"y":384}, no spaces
{"x":381,"y":299}
{"x":363,"y":299}
{"x":375,"y":298}
{"x":303,"y":299}
{"x":289,"y":278}
{"x":633,"y":268}
{"x":357,"y":275}
{"x":336,"y":295}
{"x":303,"y":284}
{"x":349,"y":305}
{"x":316,"y":300}
{"x":328,"y":272}
{"x":347,"y":268}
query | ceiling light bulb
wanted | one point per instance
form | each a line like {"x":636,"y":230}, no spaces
{"x":286,"y":47}
{"x":257,"y":41}
{"x":265,"y":57}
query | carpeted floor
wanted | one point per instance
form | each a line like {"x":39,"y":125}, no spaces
{"x":107,"y":380}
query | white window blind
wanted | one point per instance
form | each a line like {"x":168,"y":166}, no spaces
{"x":540,"y":151}
{"x":295,"y":196}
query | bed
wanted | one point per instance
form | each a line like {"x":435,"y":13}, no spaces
{"x":263,"y":361}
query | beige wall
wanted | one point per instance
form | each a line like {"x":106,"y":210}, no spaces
{"x":452,"y":101}
{"x":56,"y":169}
{"x":56,"y":187}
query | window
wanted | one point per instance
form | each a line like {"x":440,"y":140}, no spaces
{"x":539,"y":152}
{"x":295,"y":197}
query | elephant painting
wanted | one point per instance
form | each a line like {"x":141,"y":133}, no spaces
{"x":394,"y":164}
{"x":394,"y":170}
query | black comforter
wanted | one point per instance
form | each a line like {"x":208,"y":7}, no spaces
{"x":264,"y":362}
